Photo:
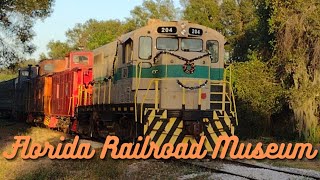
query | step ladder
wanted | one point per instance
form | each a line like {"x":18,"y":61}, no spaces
{"x":220,"y":98}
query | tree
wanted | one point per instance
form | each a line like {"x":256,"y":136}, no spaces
{"x":58,"y":49}
{"x":204,"y":12}
{"x":295,"y":25}
{"x":237,"y":20}
{"x":43,"y":56}
{"x":17,"y":18}
{"x":258,"y":96}
{"x":158,"y":9}
{"x":93,"y":33}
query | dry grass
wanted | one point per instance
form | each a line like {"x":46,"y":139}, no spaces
{"x":10,"y":169}
{"x":44,"y":168}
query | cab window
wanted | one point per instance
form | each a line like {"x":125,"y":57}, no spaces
{"x":213,"y":48}
{"x":191,"y":45}
{"x":24,"y":73}
{"x":169,"y":44}
{"x":80,"y":59}
{"x":127,"y":51}
{"x":145,"y":47}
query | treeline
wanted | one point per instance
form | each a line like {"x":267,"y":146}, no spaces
{"x":274,"y":45}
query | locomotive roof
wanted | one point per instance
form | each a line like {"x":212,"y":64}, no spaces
{"x":155,"y":23}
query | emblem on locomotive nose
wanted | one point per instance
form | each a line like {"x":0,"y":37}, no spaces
{"x":189,"y":67}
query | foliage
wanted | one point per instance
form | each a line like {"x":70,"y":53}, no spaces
{"x":254,"y":84}
{"x":258,"y":95}
{"x":297,"y":53}
{"x":93,"y":33}
{"x":204,"y":12}
{"x":314,"y":136}
{"x":238,"y":21}
{"x":9,"y":72}
{"x":58,"y":50}
{"x":17,"y":18}
{"x":158,"y":9}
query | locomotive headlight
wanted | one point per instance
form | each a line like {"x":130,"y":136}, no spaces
{"x":184,"y":32}
{"x":183,"y":25}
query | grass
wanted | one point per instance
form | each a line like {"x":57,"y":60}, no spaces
{"x":95,"y":168}
{"x":44,"y":168}
{"x":10,"y":169}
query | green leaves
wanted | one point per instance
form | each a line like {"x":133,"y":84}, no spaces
{"x":58,"y":49}
{"x":17,"y":18}
{"x":255,"y":85}
{"x":296,"y":25}
{"x":158,"y":9}
{"x":204,"y":12}
{"x":93,"y":33}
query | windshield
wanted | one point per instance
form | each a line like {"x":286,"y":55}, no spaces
{"x":170,"y":44}
{"x":191,"y":45}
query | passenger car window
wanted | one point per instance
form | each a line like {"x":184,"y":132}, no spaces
{"x":145,"y":47}
{"x":213,"y":47}
{"x":170,"y":44}
{"x":191,"y":45}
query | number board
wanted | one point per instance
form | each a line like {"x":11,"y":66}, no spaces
{"x":167,"y":29}
{"x":195,"y":31}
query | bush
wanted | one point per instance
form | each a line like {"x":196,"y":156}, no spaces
{"x":258,"y":97}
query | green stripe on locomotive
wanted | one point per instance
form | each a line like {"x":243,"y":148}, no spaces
{"x":174,"y":71}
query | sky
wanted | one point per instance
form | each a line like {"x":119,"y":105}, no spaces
{"x":67,"y":13}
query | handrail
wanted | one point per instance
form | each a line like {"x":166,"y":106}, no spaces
{"x":104,"y":93}
{"x":231,"y":90}
{"x":70,"y":105}
{"x":145,"y":96}
{"x":137,"y":84}
{"x":232,"y":94}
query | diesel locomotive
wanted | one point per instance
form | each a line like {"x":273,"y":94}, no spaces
{"x":166,"y":80}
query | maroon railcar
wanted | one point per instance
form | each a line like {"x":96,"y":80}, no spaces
{"x":71,"y":88}
{"x":36,"y":99}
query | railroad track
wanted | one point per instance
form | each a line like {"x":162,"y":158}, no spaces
{"x":216,"y":166}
